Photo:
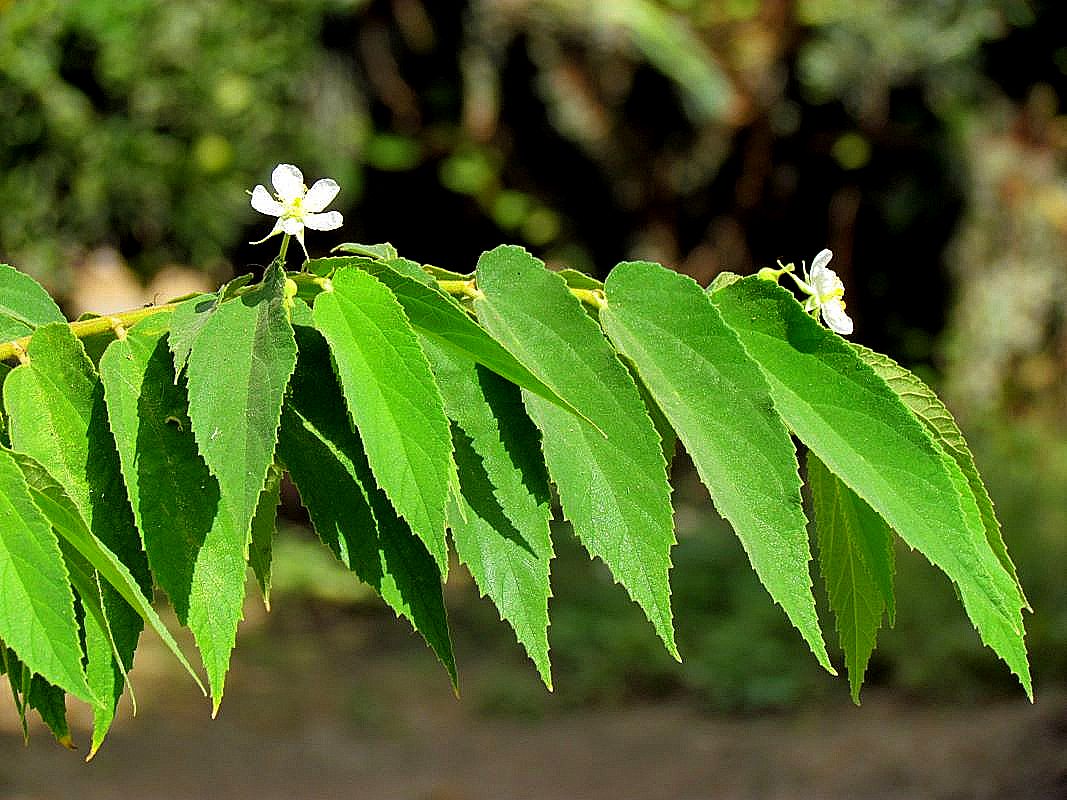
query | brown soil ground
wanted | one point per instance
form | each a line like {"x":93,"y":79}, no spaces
{"x":340,"y":711}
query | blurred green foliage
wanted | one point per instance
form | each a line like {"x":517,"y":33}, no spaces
{"x":142,"y":124}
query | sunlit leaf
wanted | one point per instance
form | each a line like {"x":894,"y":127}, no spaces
{"x":718,"y":402}
{"x":860,"y":429}
{"x":926,"y":405}
{"x":58,"y":417}
{"x":611,"y":478}
{"x":238,"y":369}
{"x":37,"y":607}
{"x":392,"y":399}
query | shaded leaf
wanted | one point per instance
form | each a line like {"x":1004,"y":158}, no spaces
{"x":264,"y":527}
{"x":65,"y":519}
{"x":50,"y":702}
{"x":174,"y":496}
{"x":856,"y":559}
{"x":58,"y":417}
{"x":351,"y":515}
{"x":503,"y":533}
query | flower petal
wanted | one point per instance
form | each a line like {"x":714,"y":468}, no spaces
{"x":288,"y":182}
{"x":826,"y":283}
{"x":833,"y":314}
{"x":292,"y":226}
{"x":276,"y":229}
{"x":300,"y":238}
{"x":264,"y":203}
{"x":822,"y":258}
{"x":321,"y":194}
{"x":329,"y":221}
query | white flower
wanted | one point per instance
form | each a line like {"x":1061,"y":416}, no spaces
{"x":296,"y":206}
{"x":825,"y":292}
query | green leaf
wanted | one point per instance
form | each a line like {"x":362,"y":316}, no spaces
{"x":37,"y":617}
{"x":33,"y":691}
{"x":264,"y":527}
{"x":326,"y":267}
{"x":186,"y":323}
{"x":667,"y":436}
{"x":926,"y":405}
{"x":173,"y":495}
{"x":392,"y":399}
{"x":579,"y":280}
{"x":96,"y":632}
{"x":18,"y":681}
{"x":351,"y":515}
{"x":858,"y":427}
{"x":721,"y":281}
{"x":379,"y":251}
{"x":612,"y":478}
{"x":147,"y":413}
{"x":190,"y":317}
{"x":439,"y":318}
{"x":64,"y":517}
{"x":58,"y":417}
{"x":502,"y":534}
{"x":192,"y":544}
{"x":442,"y":274}
{"x":11,"y":329}
{"x":856,"y":559}
{"x":49,"y":701}
{"x":717,"y":400}
{"x":238,"y":369}
{"x":24,"y":301}
{"x":413,"y":270}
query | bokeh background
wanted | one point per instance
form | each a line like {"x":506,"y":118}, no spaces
{"x":925,"y":142}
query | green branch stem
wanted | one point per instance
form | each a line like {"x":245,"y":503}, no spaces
{"x":83,"y":328}
{"x":119,"y":322}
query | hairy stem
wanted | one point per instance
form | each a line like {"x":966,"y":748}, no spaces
{"x":90,"y":327}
